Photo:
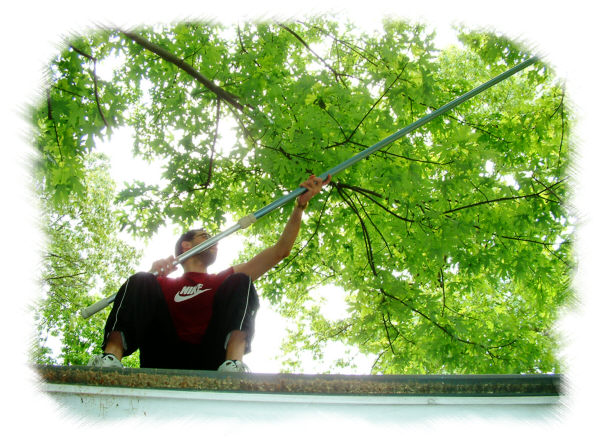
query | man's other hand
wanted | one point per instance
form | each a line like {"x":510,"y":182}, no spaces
{"x":163,"y":267}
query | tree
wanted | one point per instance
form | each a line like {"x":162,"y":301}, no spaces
{"x":83,"y":262}
{"x":453,"y":245}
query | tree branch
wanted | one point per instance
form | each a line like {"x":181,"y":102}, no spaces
{"x":349,"y":138}
{"x":376,"y":103}
{"x":358,"y":189}
{"x":390,"y":342}
{"x":366,"y":236}
{"x":435,"y":323}
{"x":51,"y":118}
{"x":367,"y":194}
{"x":50,"y":278}
{"x":67,"y":91}
{"x":533,"y":241}
{"x":232,"y":99}
{"x":562,"y":127}
{"x":510,"y":198}
{"x":241,"y":40}
{"x":375,"y":227}
{"x":458,"y":120}
{"x":345,"y":43}
{"x":336,"y":74}
{"x":441,"y":280}
{"x":285,"y":153}
{"x":95,"y":82}
{"x":548,"y":188}
{"x":385,"y":153}
{"x":209,"y":178}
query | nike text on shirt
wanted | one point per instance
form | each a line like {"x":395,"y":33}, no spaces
{"x":189,"y":292}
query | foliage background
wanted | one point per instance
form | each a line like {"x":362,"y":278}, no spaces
{"x":457,"y":255}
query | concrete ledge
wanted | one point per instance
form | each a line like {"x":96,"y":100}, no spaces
{"x":404,"y":385}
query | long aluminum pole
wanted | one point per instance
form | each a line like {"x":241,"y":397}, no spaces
{"x":250,"y":219}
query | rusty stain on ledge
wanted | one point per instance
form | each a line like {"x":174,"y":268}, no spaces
{"x":405,"y":385}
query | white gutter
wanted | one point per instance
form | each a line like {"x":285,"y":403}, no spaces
{"x":146,"y":402}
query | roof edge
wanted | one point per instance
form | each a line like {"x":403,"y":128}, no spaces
{"x":376,"y":385}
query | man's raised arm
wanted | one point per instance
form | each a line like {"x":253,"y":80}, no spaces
{"x":271,"y":256}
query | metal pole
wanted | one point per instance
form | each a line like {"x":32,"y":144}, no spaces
{"x":250,"y":219}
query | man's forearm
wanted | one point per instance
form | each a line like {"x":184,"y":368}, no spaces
{"x":285,"y":243}
{"x":271,"y":256}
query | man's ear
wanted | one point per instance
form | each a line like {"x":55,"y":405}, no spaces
{"x":185,"y":245}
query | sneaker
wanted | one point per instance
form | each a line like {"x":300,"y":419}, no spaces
{"x":234,"y":367}
{"x":106,"y":360}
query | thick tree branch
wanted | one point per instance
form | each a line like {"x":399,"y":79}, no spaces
{"x":367,"y":194}
{"x":358,"y":189}
{"x":366,"y":236}
{"x":232,"y":99}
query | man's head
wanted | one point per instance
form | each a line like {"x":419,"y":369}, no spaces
{"x":192,"y":238}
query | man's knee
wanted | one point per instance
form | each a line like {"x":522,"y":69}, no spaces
{"x":239,"y":283}
{"x":239,"y":278}
{"x":239,"y":287}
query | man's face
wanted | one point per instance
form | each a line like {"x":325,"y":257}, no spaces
{"x":208,"y":255}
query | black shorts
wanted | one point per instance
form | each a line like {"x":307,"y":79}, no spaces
{"x":141,"y":314}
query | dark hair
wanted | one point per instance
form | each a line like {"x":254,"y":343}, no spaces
{"x":187,"y":236}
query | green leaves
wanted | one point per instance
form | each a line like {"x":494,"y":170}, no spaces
{"x":84,"y":261}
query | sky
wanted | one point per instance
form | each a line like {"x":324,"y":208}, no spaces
{"x":562,"y":33}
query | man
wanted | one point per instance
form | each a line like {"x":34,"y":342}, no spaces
{"x":199,"y":321}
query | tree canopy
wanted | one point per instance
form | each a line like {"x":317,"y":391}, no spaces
{"x":452,"y":245}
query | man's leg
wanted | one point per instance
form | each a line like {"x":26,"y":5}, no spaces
{"x":114,"y":345}
{"x":236,"y":345}
{"x":138,"y":318}
{"x":231,"y":328}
